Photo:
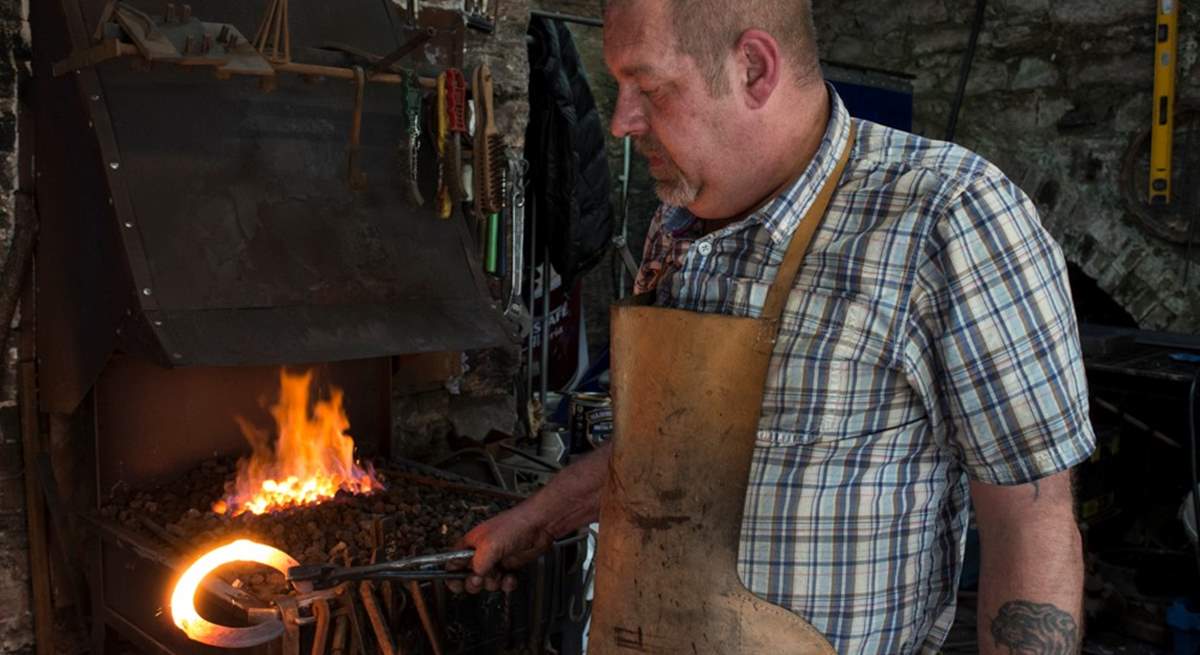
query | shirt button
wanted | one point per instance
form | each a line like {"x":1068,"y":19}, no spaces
{"x":705,"y":248}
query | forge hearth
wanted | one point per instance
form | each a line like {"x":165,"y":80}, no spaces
{"x":412,"y":515}
{"x":195,"y":235}
{"x":149,"y":534}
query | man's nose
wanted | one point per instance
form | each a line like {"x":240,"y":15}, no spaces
{"x":628,"y":118}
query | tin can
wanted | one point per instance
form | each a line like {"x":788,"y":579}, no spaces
{"x":591,"y":421}
{"x":554,"y":443}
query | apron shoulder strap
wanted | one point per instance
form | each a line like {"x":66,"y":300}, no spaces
{"x":785,"y":278}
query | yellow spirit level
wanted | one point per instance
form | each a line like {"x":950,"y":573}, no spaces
{"x":1161,"y":133}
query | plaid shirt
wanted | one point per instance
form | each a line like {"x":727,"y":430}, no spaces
{"x":929,"y":340}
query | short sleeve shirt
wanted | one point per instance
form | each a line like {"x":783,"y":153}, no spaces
{"x":929,"y":340}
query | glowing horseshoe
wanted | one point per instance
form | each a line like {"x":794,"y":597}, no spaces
{"x":183,"y":598}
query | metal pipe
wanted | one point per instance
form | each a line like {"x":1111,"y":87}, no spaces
{"x":568,"y":18}
{"x":965,"y":69}
{"x":35,"y":508}
{"x":544,"y":370}
{"x":533,"y":228}
{"x":1132,"y":420}
{"x":626,"y":166}
{"x":315,"y":70}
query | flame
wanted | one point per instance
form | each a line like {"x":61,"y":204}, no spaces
{"x":312,"y":459}
{"x":183,"y":598}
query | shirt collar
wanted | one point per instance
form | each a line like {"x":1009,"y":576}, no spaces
{"x":781,"y":215}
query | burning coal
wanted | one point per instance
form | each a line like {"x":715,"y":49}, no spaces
{"x":308,"y":459}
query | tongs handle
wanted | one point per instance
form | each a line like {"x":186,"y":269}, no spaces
{"x":329,"y":573}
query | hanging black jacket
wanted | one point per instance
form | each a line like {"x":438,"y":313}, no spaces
{"x":564,"y":143}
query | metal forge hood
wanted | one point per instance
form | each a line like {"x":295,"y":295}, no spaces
{"x":194,"y":221}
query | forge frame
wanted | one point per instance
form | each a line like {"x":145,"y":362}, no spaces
{"x":188,"y":221}
{"x":129,"y":575}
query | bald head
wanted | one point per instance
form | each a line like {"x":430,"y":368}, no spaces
{"x":707,"y":30}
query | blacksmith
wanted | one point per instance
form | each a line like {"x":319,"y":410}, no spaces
{"x":927,"y":361}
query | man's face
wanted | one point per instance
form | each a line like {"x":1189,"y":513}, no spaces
{"x":664,"y":103}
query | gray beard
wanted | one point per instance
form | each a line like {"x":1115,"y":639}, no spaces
{"x":676,"y":191}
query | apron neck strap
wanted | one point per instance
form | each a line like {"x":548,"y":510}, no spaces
{"x":785,"y":279}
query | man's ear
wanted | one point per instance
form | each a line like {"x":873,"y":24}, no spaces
{"x":759,"y":62}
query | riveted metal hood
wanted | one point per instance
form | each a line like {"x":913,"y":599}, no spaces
{"x":196,"y":221}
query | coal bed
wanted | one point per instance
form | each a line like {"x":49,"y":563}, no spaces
{"x":414,"y":514}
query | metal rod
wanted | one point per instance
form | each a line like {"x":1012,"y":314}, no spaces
{"x":533,"y":228}
{"x":258,"y":34}
{"x":315,"y":70}
{"x":341,"y":627}
{"x":544,"y":370}
{"x":398,"y":567}
{"x":569,"y":18}
{"x":1132,"y":420}
{"x":35,"y":508}
{"x":964,"y":72}
{"x":427,"y":621}
{"x":626,"y":167}
{"x":338,"y":72}
{"x":536,"y":460}
{"x":382,"y":635}
{"x":321,"y":613}
{"x":287,"y":35}
{"x":280,"y":18}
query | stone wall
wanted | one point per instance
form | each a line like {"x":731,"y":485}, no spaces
{"x":16,"y":624}
{"x":1057,"y":93}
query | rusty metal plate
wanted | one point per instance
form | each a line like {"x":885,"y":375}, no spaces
{"x":233,"y":217}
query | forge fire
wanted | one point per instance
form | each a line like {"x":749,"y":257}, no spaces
{"x":302,"y":491}
{"x":308,"y":459}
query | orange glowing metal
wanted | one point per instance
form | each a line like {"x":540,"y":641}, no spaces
{"x":309,"y":462}
{"x":183,"y":605}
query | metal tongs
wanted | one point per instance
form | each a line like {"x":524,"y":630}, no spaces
{"x":324,"y":575}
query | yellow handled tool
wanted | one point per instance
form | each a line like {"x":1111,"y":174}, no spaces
{"x":1162,"y":132}
{"x":445,"y":206}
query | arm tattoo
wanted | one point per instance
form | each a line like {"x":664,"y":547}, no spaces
{"x":1037,"y":491}
{"x":1027,"y":628}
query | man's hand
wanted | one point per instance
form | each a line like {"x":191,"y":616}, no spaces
{"x":514,"y":538}
{"x":505,"y":542}
{"x":1031,"y":581}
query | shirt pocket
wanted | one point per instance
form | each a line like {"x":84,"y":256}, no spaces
{"x":830,"y":376}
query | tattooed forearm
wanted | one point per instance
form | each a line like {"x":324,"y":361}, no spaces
{"x":1027,"y":628}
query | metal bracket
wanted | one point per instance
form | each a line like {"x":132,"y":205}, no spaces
{"x":291,"y":624}
{"x":418,"y":40}
{"x":622,"y":246}
{"x":101,"y":52}
{"x":356,"y":177}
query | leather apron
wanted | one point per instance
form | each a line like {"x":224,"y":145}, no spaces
{"x":687,"y":396}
